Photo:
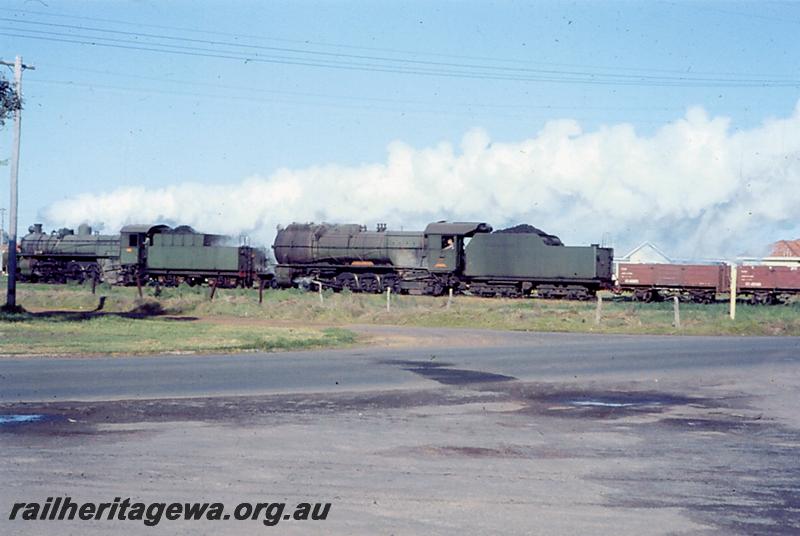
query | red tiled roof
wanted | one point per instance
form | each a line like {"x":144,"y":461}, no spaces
{"x":786,"y":248}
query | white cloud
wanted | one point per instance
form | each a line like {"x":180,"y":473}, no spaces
{"x":695,"y":186}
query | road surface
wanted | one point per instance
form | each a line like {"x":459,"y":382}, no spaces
{"x":466,"y":432}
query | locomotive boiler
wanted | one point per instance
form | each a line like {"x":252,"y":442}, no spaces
{"x":350,"y":257}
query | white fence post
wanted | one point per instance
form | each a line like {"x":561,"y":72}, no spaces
{"x":389,"y":299}
{"x":733,"y":292}
{"x":598,"y":312}
{"x":676,"y":313}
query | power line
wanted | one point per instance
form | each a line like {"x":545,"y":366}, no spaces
{"x":308,"y":42}
{"x":358,"y":57}
{"x":499,"y":110}
{"x":534,"y":76}
{"x":350,"y":97}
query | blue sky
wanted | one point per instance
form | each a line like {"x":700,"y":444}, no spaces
{"x":313,"y":93}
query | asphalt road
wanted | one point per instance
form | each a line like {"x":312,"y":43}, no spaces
{"x":523,"y":356}
{"x":467,"y":432}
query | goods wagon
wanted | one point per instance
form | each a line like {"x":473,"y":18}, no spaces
{"x":761,"y":283}
{"x":690,"y":282}
{"x":766,"y":285}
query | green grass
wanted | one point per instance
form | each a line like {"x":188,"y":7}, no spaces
{"x":291,"y":319}
{"x":28,"y":334}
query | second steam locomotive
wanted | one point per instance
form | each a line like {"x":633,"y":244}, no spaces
{"x":463,"y":256}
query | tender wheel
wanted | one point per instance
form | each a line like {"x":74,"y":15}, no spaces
{"x":651,"y":296}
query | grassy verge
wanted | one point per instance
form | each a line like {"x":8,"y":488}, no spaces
{"x":117,"y":335}
{"x":302,"y":308}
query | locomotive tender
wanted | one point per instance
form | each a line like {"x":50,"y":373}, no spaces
{"x":463,"y":256}
{"x":169,"y":256}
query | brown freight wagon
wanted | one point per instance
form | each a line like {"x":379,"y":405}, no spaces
{"x":690,"y":282}
{"x":764,"y":284}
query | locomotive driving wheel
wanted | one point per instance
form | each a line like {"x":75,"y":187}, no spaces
{"x":370,"y":283}
{"x":93,"y":272}
{"x":348,"y":281}
{"x":74,"y":272}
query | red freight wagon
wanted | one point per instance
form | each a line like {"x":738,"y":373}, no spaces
{"x":653,"y":282}
{"x":768,"y":284}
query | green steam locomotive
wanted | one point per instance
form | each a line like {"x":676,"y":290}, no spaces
{"x":466,"y":257}
{"x":140,"y":254}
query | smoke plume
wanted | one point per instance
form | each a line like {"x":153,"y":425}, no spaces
{"x":695,"y":186}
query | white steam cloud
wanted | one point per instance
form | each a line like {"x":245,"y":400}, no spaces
{"x":695,"y":187}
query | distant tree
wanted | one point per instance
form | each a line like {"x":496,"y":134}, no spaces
{"x":9,"y":102}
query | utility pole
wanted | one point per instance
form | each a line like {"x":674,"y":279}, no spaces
{"x":2,"y":225}
{"x":11,"y":297}
{"x":2,"y":235}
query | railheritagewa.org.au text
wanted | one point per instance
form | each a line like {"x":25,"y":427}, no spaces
{"x":153,"y":513}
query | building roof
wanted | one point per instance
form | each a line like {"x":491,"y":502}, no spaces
{"x":646,"y":252}
{"x":786,"y":248}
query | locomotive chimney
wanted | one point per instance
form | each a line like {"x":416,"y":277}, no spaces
{"x":37,"y":228}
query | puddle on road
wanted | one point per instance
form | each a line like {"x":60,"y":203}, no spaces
{"x":602,"y":404}
{"x":19,"y":419}
{"x":442,"y":373}
{"x":728,"y":424}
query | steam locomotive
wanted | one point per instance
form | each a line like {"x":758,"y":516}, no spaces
{"x":463,"y":256}
{"x":139,"y":254}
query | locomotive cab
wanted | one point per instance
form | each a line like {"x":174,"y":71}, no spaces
{"x":133,"y":245}
{"x":445,"y":244}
